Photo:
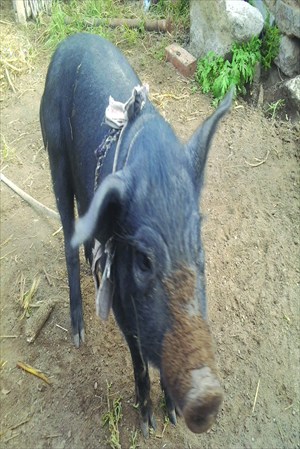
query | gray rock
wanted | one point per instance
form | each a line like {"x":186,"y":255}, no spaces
{"x":216,"y":24}
{"x":261,"y":5}
{"x":210,"y":28}
{"x":292,"y":88}
{"x":288,"y":59}
{"x":288,"y":18}
{"x":245,"y":20}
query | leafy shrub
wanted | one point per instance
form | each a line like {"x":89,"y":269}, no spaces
{"x":270,"y":45}
{"x":216,"y":74}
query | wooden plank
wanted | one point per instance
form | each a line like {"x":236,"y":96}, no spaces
{"x":20,"y":12}
{"x":24,"y":9}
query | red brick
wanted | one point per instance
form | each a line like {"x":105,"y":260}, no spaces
{"x":184,"y":62}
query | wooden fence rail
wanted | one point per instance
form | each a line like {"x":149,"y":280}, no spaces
{"x":26,"y":9}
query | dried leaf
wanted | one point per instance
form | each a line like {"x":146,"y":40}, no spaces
{"x":29,"y":369}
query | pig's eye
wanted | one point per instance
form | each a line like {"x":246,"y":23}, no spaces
{"x":143,"y":262}
{"x":143,"y":270}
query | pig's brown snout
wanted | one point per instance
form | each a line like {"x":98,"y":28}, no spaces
{"x":202,"y":401}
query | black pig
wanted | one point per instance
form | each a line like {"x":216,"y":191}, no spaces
{"x":137,"y":191}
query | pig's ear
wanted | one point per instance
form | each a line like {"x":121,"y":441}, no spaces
{"x":200,"y":142}
{"x":103,"y":212}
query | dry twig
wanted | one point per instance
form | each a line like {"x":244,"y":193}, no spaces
{"x":47,"y":276}
{"x":7,"y":254}
{"x":56,"y":232}
{"x":37,"y":321}
{"x":6,"y":240}
{"x":62,"y":328}
{"x":8,"y":336}
{"x":260,"y":161}
{"x":256,"y":394}
{"x":20,"y":424}
{"x":29,"y":199}
{"x":9,"y":80}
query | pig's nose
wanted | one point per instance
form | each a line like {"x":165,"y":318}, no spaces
{"x":202,"y":401}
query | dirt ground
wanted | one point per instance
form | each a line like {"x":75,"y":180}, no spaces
{"x":251,"y":237}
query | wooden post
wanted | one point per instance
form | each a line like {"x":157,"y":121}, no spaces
{"x":24,"y":9}
{"x":20,"y":12}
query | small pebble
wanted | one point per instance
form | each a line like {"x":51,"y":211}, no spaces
{"x":95,"y":385}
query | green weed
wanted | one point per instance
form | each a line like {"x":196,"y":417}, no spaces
{"x":274,"y":108}
{"x":131,"y":35}
{"x":67,"y":19}
{"x":133,"y":440}
{"x":7,"y":153}
{"x":70,"y":18}
{"x":178,"y":12}
{"x":216,"y":74}
{"x":270,"y":45}
{"x":26,"y":297}
{"x":112,"y":418}
{"x":158,"y":48}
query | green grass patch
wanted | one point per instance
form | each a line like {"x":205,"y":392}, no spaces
{"x":70,"y":18}
{"x":178,"y":11}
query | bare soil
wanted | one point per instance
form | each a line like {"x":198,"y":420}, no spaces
{"x":251,"y":236}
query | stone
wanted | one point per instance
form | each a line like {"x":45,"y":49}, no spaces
{"x":288,"y":59}
{"x":287,"y":17}
{"x":246,"y":21}
{"x":292,"y":88}
{"x":184,"y":62}
{"x":264,"y":10}
{"x":210,"y":29}
{"x":217,"y":24}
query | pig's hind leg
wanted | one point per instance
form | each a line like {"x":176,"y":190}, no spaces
{"x":64,"y":193}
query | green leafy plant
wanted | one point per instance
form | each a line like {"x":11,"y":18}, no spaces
{"x":133,"y":439}
{"x":208,"y":70}
{"x":244,"y":60}
{"x":112,"y":418}
{"x":216,"y":74}
{"x":274,"y":108}
{"x":270,"y":45}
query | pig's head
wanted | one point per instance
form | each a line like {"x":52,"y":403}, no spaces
{"x":151,"y":210}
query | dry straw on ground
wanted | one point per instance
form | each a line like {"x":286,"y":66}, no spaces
{"x":15,"y":58}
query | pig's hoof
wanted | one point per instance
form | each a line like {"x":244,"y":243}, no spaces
{"x":172,"y":417}
{"x":77,"y":326}
{"x":78,"y":338}
{"x":170,"y":406}
{"x":150,"y":421}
